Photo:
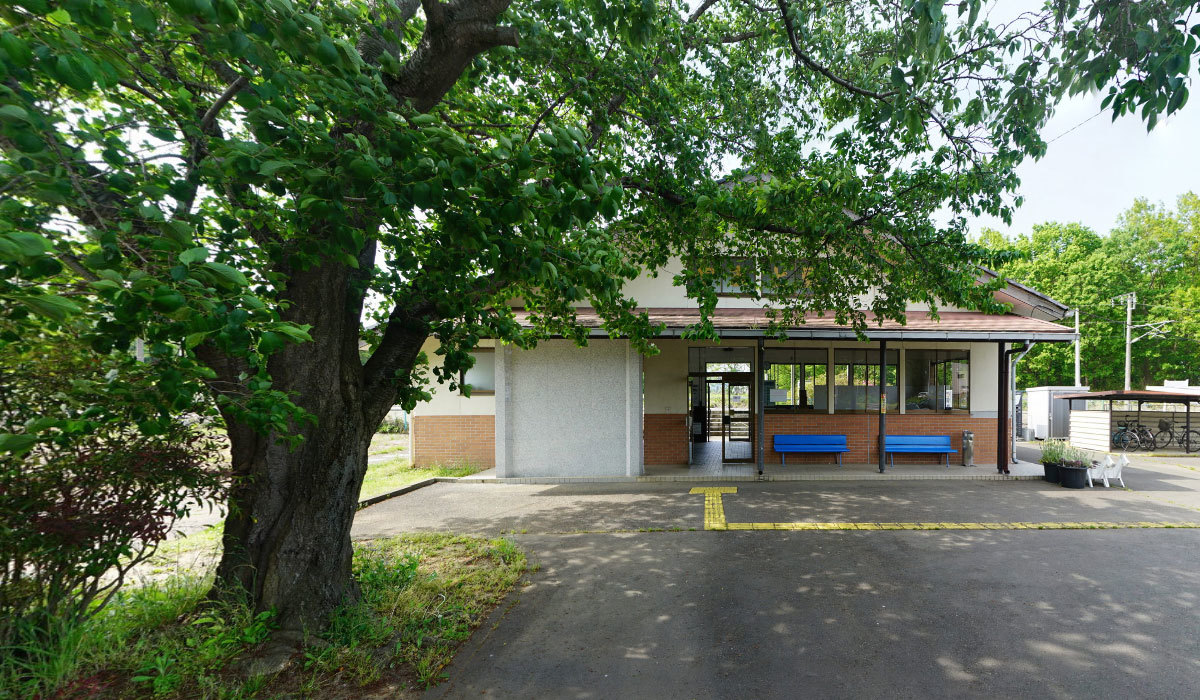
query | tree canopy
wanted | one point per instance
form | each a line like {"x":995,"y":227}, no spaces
{"x":256,"y":188}
{"x":1153,"y":252}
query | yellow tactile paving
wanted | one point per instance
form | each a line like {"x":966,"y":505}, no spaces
{"x":714,"y":519}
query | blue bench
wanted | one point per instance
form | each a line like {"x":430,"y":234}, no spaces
{"x":835,"y":444}
{"x":936,"y":444}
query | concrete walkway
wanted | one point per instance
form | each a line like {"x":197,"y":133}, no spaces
{"x":495,"y":509}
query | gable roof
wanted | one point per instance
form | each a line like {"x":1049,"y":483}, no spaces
{"x":1026,"y":301}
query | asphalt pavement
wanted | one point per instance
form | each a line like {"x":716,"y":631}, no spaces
{"x":630,"y":597}
{"x":1041,"y":614}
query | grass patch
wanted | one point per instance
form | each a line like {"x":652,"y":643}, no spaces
{"x":422,"y":596}
{"x":383,"y":477}
{"x":387,"y":443}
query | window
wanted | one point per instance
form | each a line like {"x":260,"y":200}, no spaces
{"x":751,"y":277}
{"x":937,"y":380}
{"x":726,"y":367}
{"x":856,"y":380}
{"x":482,"y":375}
{"x":719,"y":359}
{"x":737,"y":277}
{"x":791,"y":275}
{"x":795,"y":379}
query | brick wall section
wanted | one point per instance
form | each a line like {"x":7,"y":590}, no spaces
{"x":862,"y":435}
{"x":458,"y":439}
{"x":664,"y":438}
{"x":449,"y":440}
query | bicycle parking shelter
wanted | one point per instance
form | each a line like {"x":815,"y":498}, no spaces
{"x":1086,"y":434}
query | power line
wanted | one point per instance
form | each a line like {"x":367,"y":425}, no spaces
{"x":1074,"y":127}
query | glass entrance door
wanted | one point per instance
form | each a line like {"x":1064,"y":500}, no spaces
{"x":737,"y":418}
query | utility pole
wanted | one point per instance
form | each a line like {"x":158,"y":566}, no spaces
{"x":1156,"y":331}
{"x":1078,"y":342}
{"x":1130,"y":300}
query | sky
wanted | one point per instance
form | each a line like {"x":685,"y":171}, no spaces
{"x":1093,"y":173}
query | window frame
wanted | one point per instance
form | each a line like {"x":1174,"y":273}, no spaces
{"x":741,"y":293}
{"x":938,"y":388}
{"x":761,"y":279}
{"x":868,"y":369}
{"x":462,"y":376}
{"x":799,"y":373}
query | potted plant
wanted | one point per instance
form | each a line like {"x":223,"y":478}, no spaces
{"x":1052,"y":459}
{"x":1073,"y":472}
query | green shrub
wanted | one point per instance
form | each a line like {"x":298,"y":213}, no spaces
{"x":85,"y":495}
{"x":394,"y":426}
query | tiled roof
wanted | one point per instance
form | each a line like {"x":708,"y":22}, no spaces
{"x":966,"y":323}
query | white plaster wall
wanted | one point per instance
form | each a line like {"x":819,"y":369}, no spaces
{"x":660,"y":292}
{"x":666,"y":378}
{"x":452,"y":403}
{"x":985,"y":373}
{"x":572,"y":411}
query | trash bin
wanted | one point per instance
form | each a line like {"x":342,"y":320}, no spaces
{"x":968,"y":448}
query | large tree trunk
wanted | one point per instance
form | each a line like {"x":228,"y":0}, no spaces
{"x":287,"y":537}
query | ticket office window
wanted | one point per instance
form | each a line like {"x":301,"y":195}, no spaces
{"x":937,"y":381}
{"x":856,"y":380}
{"x":794,"y":380}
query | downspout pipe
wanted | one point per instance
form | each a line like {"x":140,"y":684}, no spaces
{"x":1002,"y":457}
{"x":1012,"y":393}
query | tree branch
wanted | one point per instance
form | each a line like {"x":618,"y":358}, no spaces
{"x":455,"y":33}
{"x":813,"y":65}
{"x":211,"y":115}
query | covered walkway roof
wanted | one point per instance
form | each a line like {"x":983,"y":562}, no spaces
{"x":1141,"y":395}
{"x":918,"y":325}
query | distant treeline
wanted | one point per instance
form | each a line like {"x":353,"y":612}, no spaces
{"x":1153,"y":251}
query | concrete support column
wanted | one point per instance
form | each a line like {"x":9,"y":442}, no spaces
{"x":634,"y":460}
{"x":882,"y":402}
{"x":760,"y":402}
{"x":504,"y":413}
{"x":1002,"y":410}
{"x":829,"y":381}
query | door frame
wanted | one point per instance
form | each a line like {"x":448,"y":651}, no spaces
{"x":725,"y":379}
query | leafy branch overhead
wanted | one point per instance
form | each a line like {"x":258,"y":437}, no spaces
{"x":263,"y":191}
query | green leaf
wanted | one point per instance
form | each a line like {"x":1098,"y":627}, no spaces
{"x":194,"y":255}
{"x":105,"y":285}
{"x":168,"y":301}
{"x":273,"y":166}
{"x":327,"y":52}
{"x":143,"y":18}
{"x":150,"y":212}
{"x":194,"y":339}
{"x":17,"y":444}
{"x":269,"y":342}
{"x":50,"y":305}
{"x":37,"y":425}
{"x":17,"y":50}
{"x":293,"y":332}
{"x":27,"y":244}
{"x":227,"y":274}
{"x":14,"y":113}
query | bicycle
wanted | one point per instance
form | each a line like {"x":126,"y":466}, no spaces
{"x":1144,"y":434}
{"x":1125,"y":438}
{"x":1188,"y":440}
